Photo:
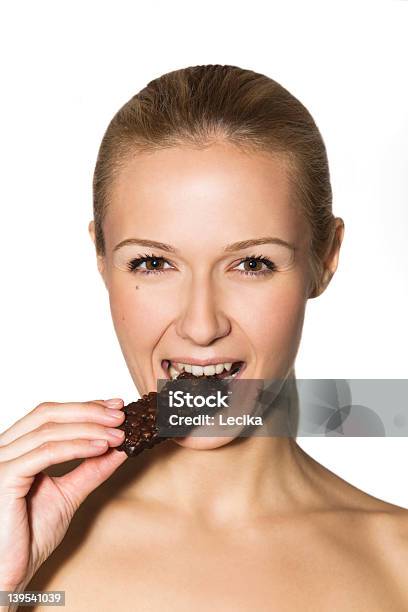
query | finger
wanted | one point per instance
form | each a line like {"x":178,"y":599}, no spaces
{"x":81,"y":481}
{"x":115,"y":402}
{"x":76,"y":412}
{"x":52,"y":432}
{"x":18,"y":474}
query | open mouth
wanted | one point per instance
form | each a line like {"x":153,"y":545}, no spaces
{"x":234,"y":370}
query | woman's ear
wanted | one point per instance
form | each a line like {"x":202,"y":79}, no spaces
{"x":332,"y":258}
{"x":99,"y":258}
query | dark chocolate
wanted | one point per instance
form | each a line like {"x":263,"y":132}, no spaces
{"x":140,"y":426}
{"x":140,"y":423}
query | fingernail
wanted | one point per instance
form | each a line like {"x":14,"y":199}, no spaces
{"x":114,"y":414}
{"x":118,"y":433}
{"x":114,"y":403}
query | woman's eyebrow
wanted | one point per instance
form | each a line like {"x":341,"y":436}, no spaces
{"x":148,"y":243}
{"x":244,"y":244}
{"x":235,"y":246}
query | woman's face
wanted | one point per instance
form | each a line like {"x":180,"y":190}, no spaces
{"x":197,"y":298}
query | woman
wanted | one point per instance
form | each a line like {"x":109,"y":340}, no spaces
{"x":213,"y":227}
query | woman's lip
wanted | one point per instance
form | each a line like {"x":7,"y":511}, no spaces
{"x":165,"y":366}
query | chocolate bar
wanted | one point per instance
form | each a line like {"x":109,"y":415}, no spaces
{"x":140,"y":426}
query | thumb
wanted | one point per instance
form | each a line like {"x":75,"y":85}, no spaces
{"x":93,"y":471}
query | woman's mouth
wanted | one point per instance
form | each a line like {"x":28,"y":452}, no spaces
{"x":221,"y":370}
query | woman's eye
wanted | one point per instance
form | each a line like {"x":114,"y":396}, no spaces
{"x":255,"y":266}
{"x":153,"y":264}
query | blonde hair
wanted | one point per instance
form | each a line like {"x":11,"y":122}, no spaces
{"x":199,"y":105}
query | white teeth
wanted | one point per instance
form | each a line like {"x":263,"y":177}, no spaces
{"x":197,"y":370}
{"x":173,"y":372}
{"x":209,"y":370}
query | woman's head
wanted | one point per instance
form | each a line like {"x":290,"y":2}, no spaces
{"x":202,"y":159}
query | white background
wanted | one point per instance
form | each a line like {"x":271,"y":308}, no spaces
{"x":68,"y":67}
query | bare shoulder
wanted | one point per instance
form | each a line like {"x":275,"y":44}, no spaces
{"x":381,"y":530}
{"x":389,"y":529}
{"x":367,"y":529}
{"x":383,"y":523}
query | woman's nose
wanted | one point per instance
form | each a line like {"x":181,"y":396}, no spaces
{"x":202,"y":318}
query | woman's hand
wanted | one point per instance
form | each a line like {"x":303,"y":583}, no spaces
{"x":36,"y":509}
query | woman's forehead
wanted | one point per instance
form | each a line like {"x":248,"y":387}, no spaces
{"x":218,"y":176}
{"x":185,"y":192}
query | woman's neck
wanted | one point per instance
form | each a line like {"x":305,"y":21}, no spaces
{"x":244,"y":479}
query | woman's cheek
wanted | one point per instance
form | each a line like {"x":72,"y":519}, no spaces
{"x":278,"y":332}
{"x":138,"y":316}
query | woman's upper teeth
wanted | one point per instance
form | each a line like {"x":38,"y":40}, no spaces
{"x":197,"y":370}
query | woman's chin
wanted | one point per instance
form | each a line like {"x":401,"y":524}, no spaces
{"x":203,"y":443}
